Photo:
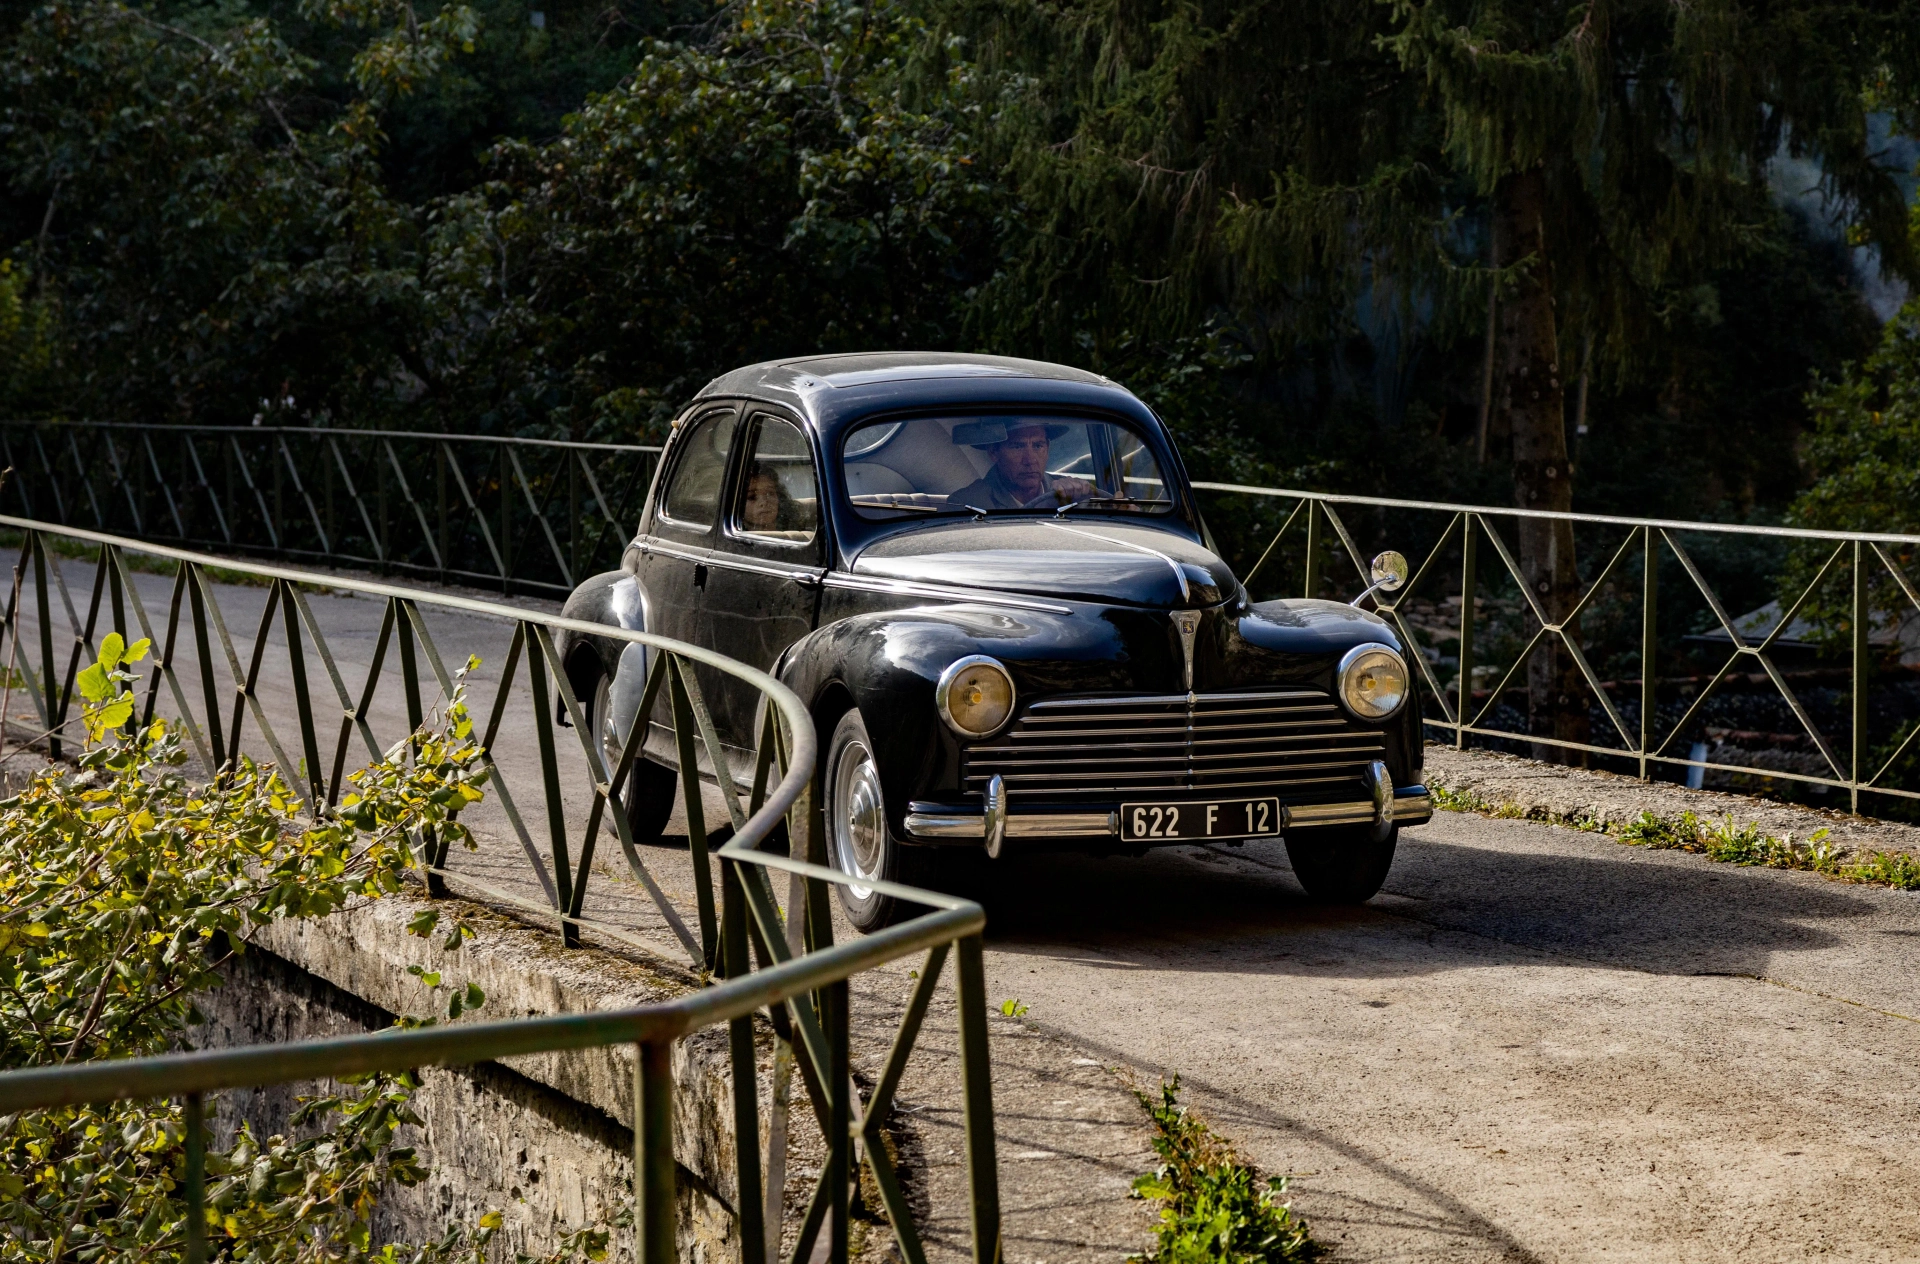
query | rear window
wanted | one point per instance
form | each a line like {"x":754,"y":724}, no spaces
{"x":1001,"y":464}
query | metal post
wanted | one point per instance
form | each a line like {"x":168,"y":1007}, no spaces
{"x":653,"y":1182}
{"x":43,"y":608}
{"x":746,"y":1091}
{"x":573,"y":516}
{"x":506,"y":520}
{"x":1313,"y":547}
{"x":1649,"y":646}
{"x":839,"y":1119}
{"x":440,"y":503}
{"x":196,"y":1180}
{"x":380,"y":502}
{"x":1469,"y":582}
{"x":333,"y":526}
{"x":1860,"y":666}
{"x":983,"y":1178}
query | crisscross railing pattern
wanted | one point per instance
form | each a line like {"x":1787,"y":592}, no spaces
{"x":1452,"y":558}
{"x":522,"y":515}
{"x":750,"y":955}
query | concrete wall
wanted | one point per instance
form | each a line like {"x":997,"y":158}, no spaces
{"x":546,"y":1139}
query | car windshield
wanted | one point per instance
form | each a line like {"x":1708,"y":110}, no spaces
{"x":1001,"y":464}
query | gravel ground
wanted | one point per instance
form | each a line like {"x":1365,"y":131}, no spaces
{"x":1553,"y":792}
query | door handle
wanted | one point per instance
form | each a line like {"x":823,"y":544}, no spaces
{"x":700,"y":575}
{"x":806,"y":580}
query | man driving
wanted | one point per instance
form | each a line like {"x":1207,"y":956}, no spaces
{"x":1019,"y":447}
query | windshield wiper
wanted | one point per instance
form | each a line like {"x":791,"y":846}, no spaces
{"x":1107,"y":500}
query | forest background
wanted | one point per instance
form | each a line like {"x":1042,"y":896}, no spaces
{"x":1281,"y":224}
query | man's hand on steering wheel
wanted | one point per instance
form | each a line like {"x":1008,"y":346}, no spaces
{"x":1063,"y":492}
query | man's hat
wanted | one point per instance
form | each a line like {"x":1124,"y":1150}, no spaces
{"x":985,"y":434}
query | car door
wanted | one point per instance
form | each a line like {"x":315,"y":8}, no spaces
{"x":763,"y":592}
{"x":676,"y":552}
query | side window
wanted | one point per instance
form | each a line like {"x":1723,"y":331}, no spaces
{"x":699,"y":471}
{"x":779,"y":495}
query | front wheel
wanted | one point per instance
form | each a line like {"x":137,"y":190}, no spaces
{"x":859,"y":843}
{"x":1341,"y":866}
{"x":649,"y":790}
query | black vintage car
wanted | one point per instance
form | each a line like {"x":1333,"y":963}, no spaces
{"x":990,"y":582}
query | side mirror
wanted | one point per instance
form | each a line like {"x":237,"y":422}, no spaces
{"x":1389,"y":574}
{"x":1390,"y":571}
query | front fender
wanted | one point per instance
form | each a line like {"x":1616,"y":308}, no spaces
{"x":616,"y":599}
{"x":887,"y":664}
{"x":1301,"y":641}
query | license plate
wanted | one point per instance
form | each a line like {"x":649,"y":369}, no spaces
{"x":1226,"y":818}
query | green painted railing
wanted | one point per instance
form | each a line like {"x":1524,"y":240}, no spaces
{"x":800,"y":985}
{"x":1656,"y":606}
{"x":520,"y":515}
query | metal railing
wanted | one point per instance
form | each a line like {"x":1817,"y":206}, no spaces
{"x":1635,"y":613}
{"x":788,"y":968}
{"x":523,"y":515}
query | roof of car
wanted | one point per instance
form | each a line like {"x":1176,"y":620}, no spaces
{"x":826,"y":388}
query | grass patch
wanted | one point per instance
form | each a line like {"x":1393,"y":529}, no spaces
{"x":1217,"y":1210}
{"x":1722,"y":841}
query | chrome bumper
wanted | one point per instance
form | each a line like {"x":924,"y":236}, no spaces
{"x":1411,"y":806}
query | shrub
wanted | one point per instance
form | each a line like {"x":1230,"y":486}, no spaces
{"x":124,"y":888}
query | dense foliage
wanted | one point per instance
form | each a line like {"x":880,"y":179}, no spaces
{"x":1276,"y":222}
{"x":125,"y":886}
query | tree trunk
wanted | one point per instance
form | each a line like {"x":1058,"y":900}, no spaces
{"x":1532,"y":401}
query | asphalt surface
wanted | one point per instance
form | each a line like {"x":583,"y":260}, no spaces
{"x":1537,"y":1044}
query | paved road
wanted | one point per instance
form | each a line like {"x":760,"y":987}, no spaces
{"x":1537,"y":1045}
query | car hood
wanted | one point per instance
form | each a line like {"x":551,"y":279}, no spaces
{"x":1085,"y":560}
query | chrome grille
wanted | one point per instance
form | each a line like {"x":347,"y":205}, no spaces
{"x":1295,"y":742}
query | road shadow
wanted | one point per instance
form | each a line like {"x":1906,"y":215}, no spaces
{"x":1563,"y":895}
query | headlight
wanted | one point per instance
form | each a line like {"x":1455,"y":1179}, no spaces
{"x":974,"y":696}
{"x":1373,"y":681}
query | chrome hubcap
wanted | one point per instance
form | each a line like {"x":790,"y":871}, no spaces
{"x":859,"y":817}
{"x":603,"y":722}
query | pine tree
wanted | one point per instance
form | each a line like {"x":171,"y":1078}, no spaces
{"x":1267,"y":163}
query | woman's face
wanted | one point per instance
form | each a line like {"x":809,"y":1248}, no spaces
{"x":762,"y":509}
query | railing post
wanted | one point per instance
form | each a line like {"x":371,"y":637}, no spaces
{"x":1649,"y":647}
{"x":440,"y":503}
{"x":653,"y":1181}
{"x":506,"y":520}
{"x":746,"y":1090}
{"x":983,"y":1175}
{"x":380,"y":504}
{"x":573,"y":515}
{"x":333,"y":524}
{"x":1859,"y":675}
{"x":1469,"y":582}
{"x":839,"y":1119}
{"x":196,"y":1180}
{"x":1313,"y":548}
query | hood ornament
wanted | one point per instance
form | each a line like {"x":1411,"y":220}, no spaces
{"x":1187,"y":622}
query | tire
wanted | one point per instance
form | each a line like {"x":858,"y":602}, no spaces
{"x":1341,"y":866}
{"x":859,"y":843}
{"x":650,"y":788}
